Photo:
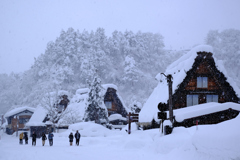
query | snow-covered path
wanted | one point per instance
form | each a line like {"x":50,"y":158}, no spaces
{"x":90,"y":148}
{"x":209,"y":142}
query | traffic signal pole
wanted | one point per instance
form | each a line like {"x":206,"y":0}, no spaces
{"x":169,"y":80}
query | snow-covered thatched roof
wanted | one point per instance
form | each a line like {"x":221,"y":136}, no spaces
{"x":79,"y":101}
{"x":178,"y":70}
{"x":40,"y":112}
{"x":37,"y":117}
{"x":18,"y":110}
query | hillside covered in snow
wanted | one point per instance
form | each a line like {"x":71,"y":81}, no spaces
{"x":129,"y":60}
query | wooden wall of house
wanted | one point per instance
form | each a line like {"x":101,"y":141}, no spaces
{"x":15,"y":121}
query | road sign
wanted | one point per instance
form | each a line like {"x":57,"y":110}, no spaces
{"x":162,"y":115}
{"x":133,"y":117}
{"x":162,"y":106}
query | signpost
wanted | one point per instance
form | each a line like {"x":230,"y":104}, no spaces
{"x":131,"y":118}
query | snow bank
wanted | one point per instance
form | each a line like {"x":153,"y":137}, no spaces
{"x":219,"y":141}
{"x":202,"y":109}
{"x":88,"y":129}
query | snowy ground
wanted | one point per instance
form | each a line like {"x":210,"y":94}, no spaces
{"x":214,"y":142}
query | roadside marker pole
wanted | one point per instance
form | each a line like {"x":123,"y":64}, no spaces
{"x":196,"y":124}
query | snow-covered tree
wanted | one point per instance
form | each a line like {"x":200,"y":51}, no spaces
{"x":96,"y":110}
{"x":226,"y":45}
{"x":135,"y":106}
{"x":71,"y":117}
{"x":131,"y":72}
{"x":55,"y":104}
{"x":74,"y":56}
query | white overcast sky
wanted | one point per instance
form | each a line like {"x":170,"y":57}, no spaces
{"x":26,"y":26}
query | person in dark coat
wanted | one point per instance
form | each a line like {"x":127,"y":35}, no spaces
{"x":25,"y":137}
{"x":77,"y":136}
{"x":50,"y":138}
{"x":44,"y":137}
{"x":70,"y":138}
{"x":34,"y":137}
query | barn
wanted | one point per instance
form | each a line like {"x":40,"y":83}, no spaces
{"x":198,"y":78}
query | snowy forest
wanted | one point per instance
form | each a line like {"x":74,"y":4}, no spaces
{"x":129,"y":60}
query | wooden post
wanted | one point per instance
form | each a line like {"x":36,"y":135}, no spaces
{"x":129,"y":123}
{"x":196,"y":124}
{"x":169,"y":80}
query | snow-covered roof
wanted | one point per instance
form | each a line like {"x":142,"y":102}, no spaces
{"x":78,"y":105}
{"x":178,"y":70}
{"x":203,"y":109}
{"x":116,"y":117}
{"x":37,"y":117}
{"x":106,"y":86}
{"x":82,"y":91}
{"x":79,"y":101}
{"x":18,"y":110}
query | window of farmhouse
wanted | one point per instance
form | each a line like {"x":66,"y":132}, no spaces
{"x":192,"y":100}
{"x":108,"y":104}
{"x":23,"y":120}
{"x":202,"y":82}
{"x":212,"y":98}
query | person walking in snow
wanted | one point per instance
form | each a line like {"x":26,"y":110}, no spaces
{"x":34,"y":137}
{"x":25,"y":137}
{"x":70,"y":138}
{"x":77,"y":136}
{"x":50,"y":138}
{"x":44,"y":137}
{"x":21,"y":138}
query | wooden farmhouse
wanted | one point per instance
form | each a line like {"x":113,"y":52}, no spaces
{"x":117,"y":110}
{"x":17,"y":118}
{"x":197,"y":79}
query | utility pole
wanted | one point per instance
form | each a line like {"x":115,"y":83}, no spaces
{"x":169,"y":80}
{"x":17,"y":117}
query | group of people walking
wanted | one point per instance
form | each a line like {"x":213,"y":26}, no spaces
{"x":50,"y":138}
{"x":77,"y":136}
{"x":44,"y":138}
